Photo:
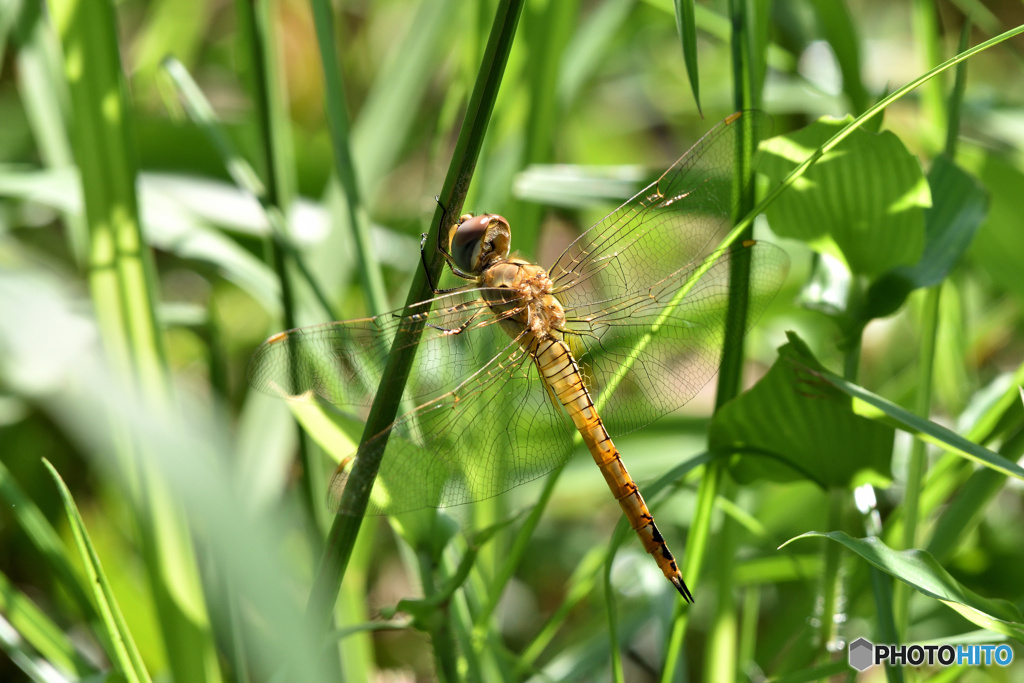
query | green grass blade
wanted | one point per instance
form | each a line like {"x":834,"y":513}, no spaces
{"x":546,"y":33}
{"x":121,"y":269}
{"x":337,"y":116}
{"x":686,"y":24}
{"x":37,"y":630}
{"x":122,"y":284}
{"x":120,"y":645}
{"x":877,"y":408}
{"x":718,"y":26}
{"x":43,"y":536}
{"x":919,"y":570}
{"x":580,"y":585}
{"x":389,"y":114}
{"x":589,"y":46}
{"x":748,"y":67}
{"x":970,"y":202}
{"x":964,"y":513}
{"x":172,"y":27}
{"x":928,"y":42}
{"x":46,"y":104}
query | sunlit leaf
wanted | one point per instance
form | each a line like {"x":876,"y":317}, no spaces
{"x":862,"y":203}
{"x":959,"y":209}
{"x":790,"y":426}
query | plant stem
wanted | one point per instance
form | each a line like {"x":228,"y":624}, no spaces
{"x":345,"y":529}
{"x":441,"y":636}
{"x":747,"y":61}
{"x":831,"y":584}
{"x":337,"y":116}
{"x":255,"y":23}
{"x":917,"y":463}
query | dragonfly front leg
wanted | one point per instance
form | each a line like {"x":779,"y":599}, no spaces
{"x":448,"y":258}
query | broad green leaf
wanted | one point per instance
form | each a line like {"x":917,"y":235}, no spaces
{"x":999,"y":244}
{"x":863,"y":202}
{"x":921,"y":571}
{"x":120,"y":645}
{"x":958,"y":210}
{"x":790,"y":426}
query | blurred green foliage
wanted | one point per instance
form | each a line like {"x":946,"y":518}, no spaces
{"x":141,"y":264}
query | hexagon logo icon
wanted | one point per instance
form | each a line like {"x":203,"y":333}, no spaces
{"x":861,"y":654}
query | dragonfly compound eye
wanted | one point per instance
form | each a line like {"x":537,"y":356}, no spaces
{"x":467,"y":242}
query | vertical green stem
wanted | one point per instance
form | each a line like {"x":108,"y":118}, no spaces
{"x":254,"y":20}
{"x":337,"y":116}
{"x":839,"y":503}
{"x":748,"y":627}
{"x":721,"y":646}
{"x":929,"y":48}
{"x":441,"y":636}
{"x":917,"y":463}
{"x":831,"y":583}
{"x":721,"y":653}
{"x":345,"y":529}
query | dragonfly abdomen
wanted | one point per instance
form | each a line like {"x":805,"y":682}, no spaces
{"x":562,"y":374}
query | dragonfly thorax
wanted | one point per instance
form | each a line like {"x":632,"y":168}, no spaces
{"x":477,"y":241}
{"x":529,"y":301}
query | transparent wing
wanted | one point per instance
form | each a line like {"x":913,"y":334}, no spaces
{"x":479,"y":420}
{"x":648,"y":354}
{"x":619,"y":282}
{"x":342,"y":362}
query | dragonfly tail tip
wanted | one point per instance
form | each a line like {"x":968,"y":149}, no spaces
{"x":677,"y":581}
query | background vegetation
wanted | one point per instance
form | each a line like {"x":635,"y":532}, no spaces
{"x":181,"y":178}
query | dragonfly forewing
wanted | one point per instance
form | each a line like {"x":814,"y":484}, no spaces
{"x":647,"y":288}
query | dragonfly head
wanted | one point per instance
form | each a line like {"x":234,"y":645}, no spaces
{"x":478,"y":240}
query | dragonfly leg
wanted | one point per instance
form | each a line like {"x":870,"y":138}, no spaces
{"x":447,"y":258}
{"x":461,"y":328}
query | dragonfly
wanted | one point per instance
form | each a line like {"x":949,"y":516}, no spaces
{"x":514,"y":368}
